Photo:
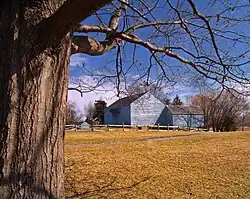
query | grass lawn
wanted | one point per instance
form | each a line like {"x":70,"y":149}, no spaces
{"x":216,"y":166}
{"x":78,"y":137}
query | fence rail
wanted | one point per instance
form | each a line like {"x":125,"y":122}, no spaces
{"x":123,"y":126}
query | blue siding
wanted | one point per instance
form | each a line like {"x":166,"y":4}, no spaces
{"x":197,"y":120}
{"x":188,"y":120}
{"x":181,"y":120}
{"x":165,"y":118}
{"x":148,"y":110}
{"x":118,"y":116}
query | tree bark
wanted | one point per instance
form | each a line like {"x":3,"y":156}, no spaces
{"x":35,"y":46}
{"x":33,"y":93}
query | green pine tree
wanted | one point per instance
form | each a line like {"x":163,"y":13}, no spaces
{"x":177,"y":101}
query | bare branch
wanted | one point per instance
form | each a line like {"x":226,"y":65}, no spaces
{"x":195,"y":10}
{"x":134,"y":39}
{"x":200,"y":42}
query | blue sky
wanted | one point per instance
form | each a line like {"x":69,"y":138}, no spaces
{"x":184,"y":81}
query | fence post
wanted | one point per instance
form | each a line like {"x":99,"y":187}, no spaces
{"x":92,"y":127}
{"x":123,"y":126}
{"x":168,"y":127}
{"x":158,"y":126}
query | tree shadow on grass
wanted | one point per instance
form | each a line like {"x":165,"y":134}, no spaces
{"x":102,"y":190}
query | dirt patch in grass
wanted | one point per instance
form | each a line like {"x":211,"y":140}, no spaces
{"x":198,"y":167}
{"x":88,"y":137}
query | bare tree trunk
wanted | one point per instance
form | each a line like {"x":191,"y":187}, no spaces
{"x":33,"y":92}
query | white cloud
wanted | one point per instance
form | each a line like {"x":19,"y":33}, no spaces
{"x":81,"y":102}
{"x":135,"y":77}
{"x":106,"y":93}
{"x":77,"y":60}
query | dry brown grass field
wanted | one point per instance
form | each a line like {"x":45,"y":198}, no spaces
{"x":214,"y":166}
{"x":88,"y":137}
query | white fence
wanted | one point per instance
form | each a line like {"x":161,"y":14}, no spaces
{"x":122,"y":126}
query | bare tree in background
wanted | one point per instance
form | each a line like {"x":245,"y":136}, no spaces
{"x":73,"y":115}
{"x":89,"y":110}
{"x":223,"y":111}
{"x":36,"y":40}
{"x":203,"y":100}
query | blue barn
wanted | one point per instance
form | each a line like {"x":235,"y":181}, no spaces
{"x":186,"y":116}
{"x":145,"y":109}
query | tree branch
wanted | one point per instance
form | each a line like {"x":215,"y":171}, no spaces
{"x":194,"y":41}
{"x":71,"y":13}
{"x":91,"y":46}
{"x":102,"y":47}
{"x":196,"y":12}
